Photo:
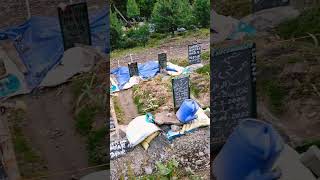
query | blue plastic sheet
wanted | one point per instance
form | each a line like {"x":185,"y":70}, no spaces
{"x":146,"y":71}
{"x":39,"y":42}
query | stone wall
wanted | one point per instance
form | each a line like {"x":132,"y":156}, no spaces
{"x":14,"y":12}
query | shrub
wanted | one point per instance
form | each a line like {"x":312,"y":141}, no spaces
{"x":201,"y":10}
{"x":133,"y":10}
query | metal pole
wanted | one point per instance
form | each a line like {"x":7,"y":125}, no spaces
{"x":28,"y":9}
{"x":131,"y":58}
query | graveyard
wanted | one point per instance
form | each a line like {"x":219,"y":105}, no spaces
{"x":160,"y":94}
{"x":51,"y":93}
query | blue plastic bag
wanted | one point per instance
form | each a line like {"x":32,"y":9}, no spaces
{"x":187,"y":111}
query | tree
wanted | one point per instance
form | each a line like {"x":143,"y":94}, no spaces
{"x":116,"y":32}
{"x":168,"y":15}
{"x":146,"y":7}
{"x":201,"y":10}
{"x":133,"y":10}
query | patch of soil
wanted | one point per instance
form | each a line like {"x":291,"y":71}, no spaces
{"x":127,"y":105}
{"x":51,"y":129}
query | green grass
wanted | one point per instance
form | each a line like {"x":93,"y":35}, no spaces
{"x":78,"y":84}
{"x":194,"y":89}
{"x":160,"y":39}
{"x":306,"y":145}
{"x":84,"y":119}
{"x":276,"y":95}
{"x":205,"y":56}
{"x":180,"y":62}
{"x":118,"y":110}
{"x":96,"y":145}
{"x":29,"y":161}
{"x":167,"y":171}
{"x":307,"y":22}
{"x":204,"y":70}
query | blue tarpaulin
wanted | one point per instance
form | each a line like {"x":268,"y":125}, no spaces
{"x":146,"y":71}
{"x":40,"y":45}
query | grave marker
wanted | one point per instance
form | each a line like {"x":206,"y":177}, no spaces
{"x":266,"y":4}
{"x":194,"y":54}
{"x":181,"y":90}
{"x":162,"y":58}
{"x":133,"y":69}
{"x":233,"y":89}
{"x":119,"y":148}
{"x":74,"y":24}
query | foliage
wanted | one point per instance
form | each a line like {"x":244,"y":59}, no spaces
{"x":96,"y":146}
{"x":304,"y":147}
{"x":201,"y":10}
{"x":139,"y":35}
{"x":84,"y":119}
{"x":133,"y":10}
{"x":168,"y":15}
{"x":276,"y":95}
{"x":116,"y":33}
{"x":307,"y":22}
{"x":146,"y":7}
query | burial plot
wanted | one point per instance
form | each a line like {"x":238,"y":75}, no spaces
{"x":74,"y":24}
{"x":162,"y":58}
{"x":119,"y":148}
{"x":133,"y":69}
{"x":181,"y":90}
{"x":233,"y":89}
{"x":194,"y":54}
{"x":266,"y":4}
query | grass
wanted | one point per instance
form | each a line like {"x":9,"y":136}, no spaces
{"x":161,"y":39}
{"x":180,"y":62}
{"x":307,"y":22}
{"x":194,"y":89}
{"x":204,"y":70}
{"x":96,"y":145}
{"x":84,"y":119}
{"x":151,"y":95}
{"x":307,"y":145}
{"x":29,"y":161}
{"x":166,"y":171}
{"x":276,"y":95}
{"x":205,"y":56}
{"x":118,"y":110}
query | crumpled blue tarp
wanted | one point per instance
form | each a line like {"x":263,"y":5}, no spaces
{"x":242,"y":28}
{"x":146,"y":71}
{"x":40,"y":45}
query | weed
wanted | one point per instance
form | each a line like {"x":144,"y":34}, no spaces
{"x":205,"y":56}
{"x":118,"y":110}
{"x":24,"y":152}
{"x":180,"y":62}
{"x":276,"y":95}
{"x":194,"y":90}
{"x":307,"y":22}
{"x":96,"y":146}
{"x":303,"y":148}
{"x":204,"y":70}
{"x":84,"y":119}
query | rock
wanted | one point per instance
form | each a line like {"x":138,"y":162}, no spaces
{"x":198,"y":162}
{"x":201,"y":154}
{"x":148,"y":170}
{"x":175,"y":128}
{"x":270,"y":18}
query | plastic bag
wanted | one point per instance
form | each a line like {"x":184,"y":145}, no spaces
{"x":187,"y":111}
{"x":140,"y":128}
